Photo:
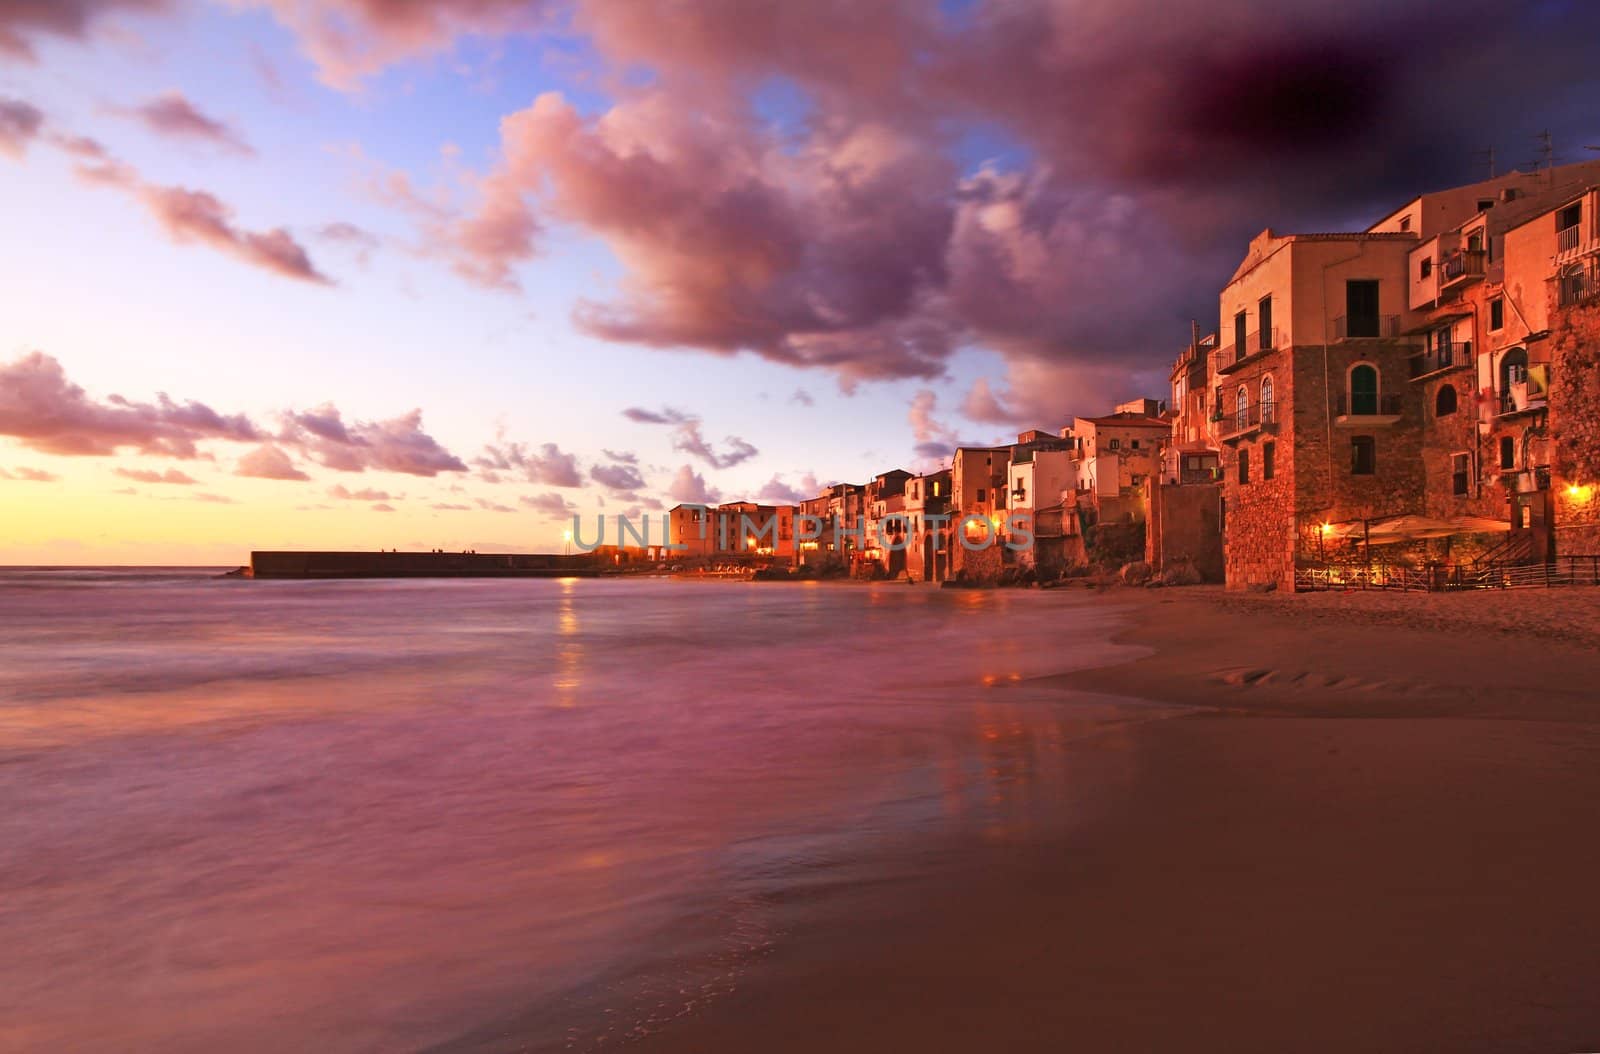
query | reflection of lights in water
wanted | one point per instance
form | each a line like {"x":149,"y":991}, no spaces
{"x":569,"y":649}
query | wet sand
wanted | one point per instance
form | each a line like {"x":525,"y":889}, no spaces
{"x":1375,"y":837}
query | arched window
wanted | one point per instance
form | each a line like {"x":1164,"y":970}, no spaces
{"x":1242,"y":410}
{"x":1268,"y":402}
{"x":1513,"y":369}
{"x":1444,"y":404}
{"x":1364,"y":390}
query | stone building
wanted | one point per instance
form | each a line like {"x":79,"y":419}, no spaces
{"x":1184,"y":517}
{"x":927,"y":510}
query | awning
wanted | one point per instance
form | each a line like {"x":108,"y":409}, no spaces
{"x":1479,"y":525}
{"x":1410,"y":529}
{"x":1435,"y":323}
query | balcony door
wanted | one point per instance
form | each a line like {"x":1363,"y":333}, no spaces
{"x":1361,"y":307}
{"x":1364,"y":391}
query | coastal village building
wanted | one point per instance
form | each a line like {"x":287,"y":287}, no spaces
{"x":1184,"y":514}
{"x":733,"y":530}
{"x":1336,"y":395}
{"x":886,"y":523}
{"x":928,"y":551}
{"x":1116,"y":455}
{"x":1425,"y":392}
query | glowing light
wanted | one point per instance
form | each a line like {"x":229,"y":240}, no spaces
{"x":566,"y":536}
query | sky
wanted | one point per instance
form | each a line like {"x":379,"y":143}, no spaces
{"x":443,"y":273}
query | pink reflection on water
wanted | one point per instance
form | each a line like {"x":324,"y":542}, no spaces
{"x":386,"y":815}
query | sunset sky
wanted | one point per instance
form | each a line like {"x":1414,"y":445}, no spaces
{"x":438,"y":273}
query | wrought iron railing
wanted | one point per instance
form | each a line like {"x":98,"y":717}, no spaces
{"x":1567,"y":239}
{"x":1464,"y":263}
{"x":1368,"y":405}
{"x":1444,"y":357}
{"x":1366,"y":327}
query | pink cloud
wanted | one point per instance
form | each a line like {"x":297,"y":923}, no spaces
{"x":548,"y":465}
{"x":550,"y":505}
{"x":825,"y":255}
{"x":29,"y":475}
{"x":45,"y":411}
{"x":197,"y":216}
{"x":395,"y":445}
{"x":352,"y":39}
{"x":690,"y":487}
{"x":171,"y":475}
{"x":174,"y":116}
{"x":19,"y":124}
{"x":22,"y":20}
{"x":269,"y":462}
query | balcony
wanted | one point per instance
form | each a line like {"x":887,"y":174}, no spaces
{"x":1576,"y":289}
{"x":1461,"y":267}
{"x":1445,"y":357}
{"x":1519,"y":398}
{"x":1255,"y":345}
{"x":1571,"y":244}
{"x":1247,"y":421}
{"x":1366,"y":411}
{"x":1366,"y":327}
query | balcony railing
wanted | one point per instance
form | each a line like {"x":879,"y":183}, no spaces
{"x":1575,"y":289}
{"x":1246,"y":418}
{"x":1462,"y":264}
{"x":1444,"y":357}
{"x":1366,"y":327}
{"x":1368,"y":406}
{"x":1255,"y":343}
{"x":1567,"y":239}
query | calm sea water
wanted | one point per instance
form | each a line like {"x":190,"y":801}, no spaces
{"x":243,"y":815}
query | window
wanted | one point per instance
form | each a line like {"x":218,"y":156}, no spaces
{"x":1363,"y":389}
{"x":1241,"y":410}
{"x":1427,"y":266}
{"x":1269,"y":459}
{"x":982,"y":494}
{"x":1572,"y":286}
{"x":1363,"y":456}
{"x":1485,"y":204}
{"x":1244,"y":465}
{"x":1475,"y":241}
{"x":1508,"y":452}
{"x":1513,"y":369}
{"x":1497,"y":313}
{"x":1269,"y":402}
{"x":1240,"y":335}
{"x":1444,"y":404}
{"x":1405,"y":223}
{"x":1568,"y":217}
{"x":1264,"y":317}
{"x":1460,"y":473}
{"x":1134,"y":444}
{"x":1361,"y":308}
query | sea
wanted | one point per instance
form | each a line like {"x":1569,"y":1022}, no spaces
{"x":531,"y":814}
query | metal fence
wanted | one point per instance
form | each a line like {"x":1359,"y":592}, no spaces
{"x":1562,"y":571}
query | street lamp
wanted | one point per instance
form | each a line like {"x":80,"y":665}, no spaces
{"x":566,"y":540}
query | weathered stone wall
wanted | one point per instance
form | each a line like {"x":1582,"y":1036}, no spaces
{"x":1326,"y":490}
{"x":1575,"y":427}
{"x":1185,"y":523}
{"x":1456,"y":433}
{"x":1258,"y":516}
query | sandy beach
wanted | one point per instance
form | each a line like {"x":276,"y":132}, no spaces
{"x":1378,"y":835}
